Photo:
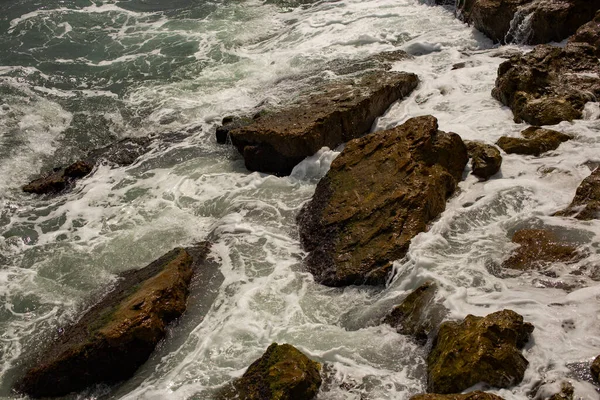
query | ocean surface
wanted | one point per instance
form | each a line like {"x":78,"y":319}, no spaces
{"x":80,"y":74}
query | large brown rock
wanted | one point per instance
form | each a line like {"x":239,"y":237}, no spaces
{"x":586,"y":203}
{"x":380,"y":192}
{"x":589,"y":33}
{"x":549,"y":84}
{"x":476,"y":395}
{"x":479,"y":349}
{"x":485,"y":159}
{"x":537,"y":249}
{"x":119,"y":333}
{"x":282,"y":373}
{"x":276,"y":141}
{"x":418,"y":315}
{"x":535,"y":141}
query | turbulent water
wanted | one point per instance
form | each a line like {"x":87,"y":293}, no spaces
{"x":79,"y":74}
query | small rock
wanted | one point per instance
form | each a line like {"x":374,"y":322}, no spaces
{"x":485,"y":159}
{"x":535,"y":142}
{"x":479,"y":349}
{"x":477,"y":395}
{"x":566,"y":393}
{"x":595,"y":369}
{"x":586,"y":203}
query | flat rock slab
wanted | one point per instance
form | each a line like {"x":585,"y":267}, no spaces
{"x":274,"y":142}
{"x":586,"y":203}
{"x":380,"y":192}
{"x":485,"y":159}
{"x":535,"y":141}
{"x":117,"y":335}
{"x":478,"y":349}
{"x":477,"y":395}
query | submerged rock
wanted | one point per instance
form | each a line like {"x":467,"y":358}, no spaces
{"x":589,"y":33}
{"x":538,"y":248}
{"x":418,"y":315}
{"x":549,"y":84}
{"x":595,"y":369}
{"x":476,"y":395}
{"x":117,"y":335}
{"x":282,"y":373}
{"x":586,"y":203}
{"x":380,"y":192}
{"x":567,"y":392}
{"x":276,"y":141}
{"x":485,"y":159}
{"x":121,"y":153}
{"x":535,"y":141}
{"x":479,"y":349}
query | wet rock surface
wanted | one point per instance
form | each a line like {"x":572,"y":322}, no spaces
{"x":535,"y":141}
{"x":549,"y":84}
{"x":589,"y":33}
{"x":477,"y":395}
{"x":539,"y":248}
{"x":276,"y":141}
{"x":380,"y":192}
{"x":418,"y":315}
{"x":485,"y":159}
{"x":118,"y":334}
{"x":586,"y":203}
{"x":478,"y":349}
{"x":282,"y":373}
{"x":566,"y":393}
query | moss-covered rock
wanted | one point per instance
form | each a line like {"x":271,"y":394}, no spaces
{"x":380,"y":192}
{"x":485,"y":159}
{"x":535,"y":141}
{"x":282,"y":373}
{"x":418,"y":315}
{"x":586,"y":203}
{"x":479,"y":349}
{"x":476,"y":395}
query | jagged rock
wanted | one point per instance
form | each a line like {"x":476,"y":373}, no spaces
{"x":586,"y":203}
{"x":535,"y":141}
{"x":538,"y":248}
{"x":485,"y":159}
{"x":567,"y":392}
{"x":381,"y":191}
{"x":549,"y":84}
{"x":118,"y":334}
{"x":418,"y":315}
{"x":282,"y":373}
{"x":589,"y":33}
{"x":479,"y":349}
{"x":121,"y":153}
{"x":595,"y":369}
{"x":276,"y":141}
{"x":477,"y":395}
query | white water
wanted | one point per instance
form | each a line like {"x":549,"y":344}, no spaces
{"x":59,"y":250}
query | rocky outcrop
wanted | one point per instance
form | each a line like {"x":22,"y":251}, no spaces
{"x":282,"y":373}
{"x":586,"y":203}
{"x":380,"y":192}
{"x":535,"y":141}
{"x":118,"y":334}
{"x":485,"y":159}
{"x":479,"y":349}
{"x":595,"y":369}
{"x":418,"y":315}
{"x":121,"y":153}
{"x":589,"y":33}
{"x":477,"y":395}
{"x":549,"y":84}
{"x":539,"y":248}
{"x":276,"y":141}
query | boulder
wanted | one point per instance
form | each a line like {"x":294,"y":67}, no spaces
{"x":418,"y":315}
{"x":537,"y":249}
{"x":478,"y":349}
{"x":476,"y":395}
{"x":535,"y":141}
{"x":121,"y":153}
{"x":586,"y":203}
{"x":595,"y":369}
{"x":117,"y":335}
{"x":485,"y":159}
{"x":276,"y":141}
{"x":381,"y":191}
{"x":589,"y":33}
{"x":549,"y":84}
{"x":282,"y":373}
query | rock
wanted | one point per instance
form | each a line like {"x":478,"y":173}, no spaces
{"x":549,"y":84}
{"x":117,"y":335}
{"x":276,"y":141}
{"x":479,"y":349}
{"x":121,"y":153}
{"x":485,"y":159}
{"x":538,"y":248}
{"x":227,"y":124}
{"x":554,"y":21}
{"x":381,"y":191}
{"x":589,"y":33}
{"x":282,"y":373}
{"x":492,"y":17}
{"x":595,"y":369}
{"x":586,"y":203}
{"x":418,"y":315}
{"x":566,"y":393}
{"x":477,"y":395}
{"x":535,"y":142}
